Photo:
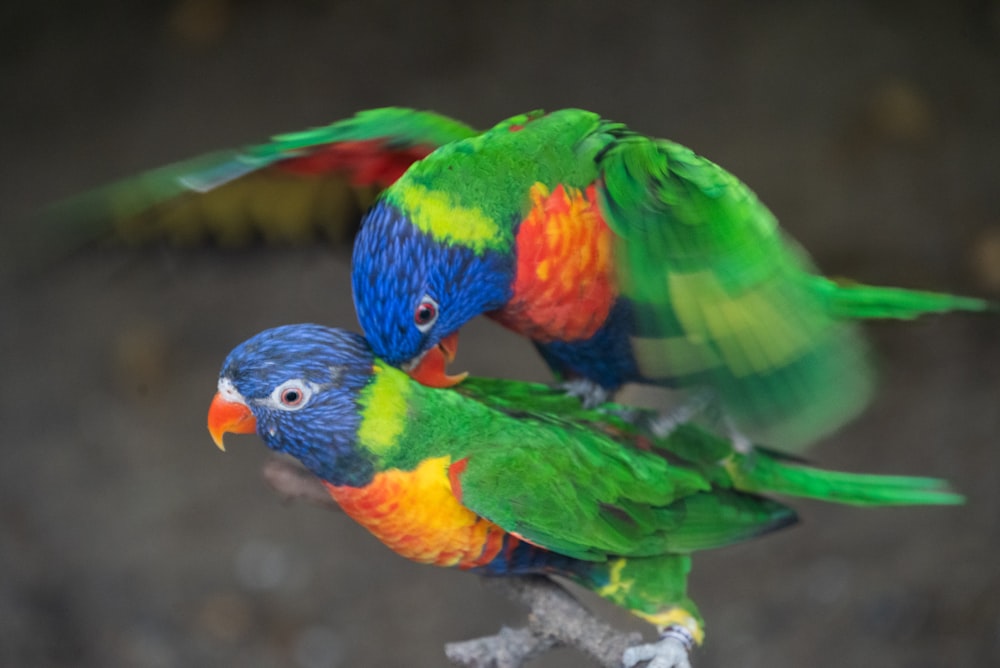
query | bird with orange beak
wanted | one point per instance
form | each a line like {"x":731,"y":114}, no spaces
{"x":504,"y":478}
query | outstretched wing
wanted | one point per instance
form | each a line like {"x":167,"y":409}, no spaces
{"x":587,"y":496}
{"x":723,"y":299}
{"x":294,"y":189}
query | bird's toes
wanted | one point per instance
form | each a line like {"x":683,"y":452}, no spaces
{"x":672,"y":650}
{"x":587,"y":391}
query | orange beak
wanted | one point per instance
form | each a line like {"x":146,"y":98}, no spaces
{"x":226,"y":416}
{"x":430,"y":370}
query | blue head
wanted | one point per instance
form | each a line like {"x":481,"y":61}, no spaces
{"x":297,"y":386}
{"x":412,"y":290}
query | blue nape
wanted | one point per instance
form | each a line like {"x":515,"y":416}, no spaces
{"x":395,"y":266}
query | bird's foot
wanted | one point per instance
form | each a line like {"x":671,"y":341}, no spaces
{"x":587,"y":391}
{"x":672,"y":650}
{"x":664,"y":424}
{"x":741,"y":442}
{"x":700,"y":404}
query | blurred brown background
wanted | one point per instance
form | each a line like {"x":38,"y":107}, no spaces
{"x":871,"y":129}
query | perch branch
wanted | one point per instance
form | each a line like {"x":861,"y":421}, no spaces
{"x":294,"y":483}
{"x":556,"y":618}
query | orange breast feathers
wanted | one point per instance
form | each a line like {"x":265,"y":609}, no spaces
{"x":564,"y":286}
{"x":416,"y":514}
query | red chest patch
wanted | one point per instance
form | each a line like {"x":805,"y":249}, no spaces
{"x":564,"y":286}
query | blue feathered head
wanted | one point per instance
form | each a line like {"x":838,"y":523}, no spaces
{"x":297,"y":386}
{"x":412,"y":290}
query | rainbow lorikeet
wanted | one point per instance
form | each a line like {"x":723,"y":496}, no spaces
{"x":624,"y":259}
{"x":503,"y":477}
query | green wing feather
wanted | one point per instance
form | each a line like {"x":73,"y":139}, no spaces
{"x":232,"y":198}
{"x":724,"y":299}
{"x":590,"y":498}
{"x":690,"y":447}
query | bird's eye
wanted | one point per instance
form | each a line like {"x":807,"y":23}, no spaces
{"x":291,"y":395}
{"x":426,"y":313}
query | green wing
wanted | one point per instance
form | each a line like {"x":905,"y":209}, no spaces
{"x":580,"y":493}
{"x":692,"y":448}
{"x":294,"y":189}
{"x":723,"y":299}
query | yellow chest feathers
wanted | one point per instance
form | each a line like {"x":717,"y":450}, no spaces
{"x":416,"y":514}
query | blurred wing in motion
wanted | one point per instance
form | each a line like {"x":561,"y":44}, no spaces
{"x":724,"y":299}
{"x":296,"y":189}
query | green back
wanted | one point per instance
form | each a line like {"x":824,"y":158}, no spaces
{"x":762,"y":470}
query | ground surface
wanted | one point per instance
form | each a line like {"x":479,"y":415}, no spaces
{"x":126,"y":539}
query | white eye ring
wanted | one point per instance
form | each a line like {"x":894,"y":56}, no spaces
{"x":292,"y":395}
{"x":426,"y":313}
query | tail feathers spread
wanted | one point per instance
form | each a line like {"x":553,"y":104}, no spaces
{"x":856,"y":300}
{"x":759,"y":472}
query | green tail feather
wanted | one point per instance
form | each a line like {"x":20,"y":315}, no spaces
{"x":766,"y":471}
{"x":760,"y":472}
{"x":856,"y":300}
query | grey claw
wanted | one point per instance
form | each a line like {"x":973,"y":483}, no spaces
{"x":672,"y":650}
{"x":587,"y":391}
{"x":666,"y":653}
